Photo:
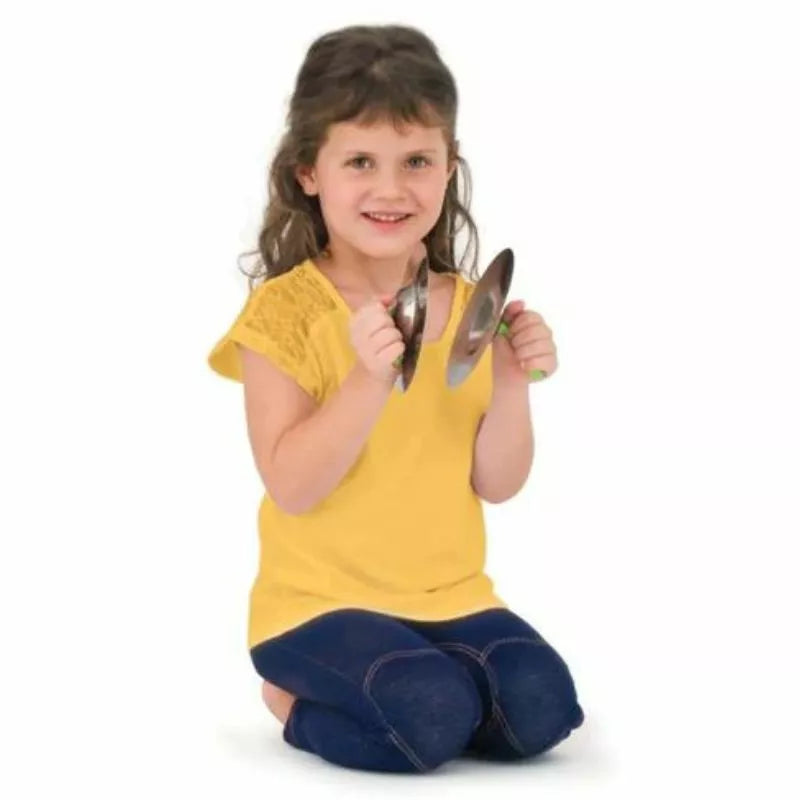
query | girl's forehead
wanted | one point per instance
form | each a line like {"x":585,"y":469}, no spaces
{"x":383,"y":136}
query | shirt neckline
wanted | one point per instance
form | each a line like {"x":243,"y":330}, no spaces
{"x":340,"y":302}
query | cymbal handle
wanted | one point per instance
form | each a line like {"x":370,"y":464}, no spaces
{"x":534,"y":374}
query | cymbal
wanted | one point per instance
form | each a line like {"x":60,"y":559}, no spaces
{"x":481,"y":318}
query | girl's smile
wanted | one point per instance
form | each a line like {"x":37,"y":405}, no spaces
{"x":386,"y":223}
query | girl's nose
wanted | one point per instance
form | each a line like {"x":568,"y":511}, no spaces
{"x":389,"y":183}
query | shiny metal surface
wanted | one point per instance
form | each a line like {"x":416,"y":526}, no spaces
{"x":409,"y":312}
{"x":481,"y":318}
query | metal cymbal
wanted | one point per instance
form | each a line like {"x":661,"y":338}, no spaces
{"x":481,"y":318}
{"x":408,"y":312}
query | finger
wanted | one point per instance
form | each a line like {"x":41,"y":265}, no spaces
{"x":527,"y":319}
{"x":512,"y":311}
{"x":391,"y":352}
{"x":538,"y":368}
{"x":534,"y":333}
{"x":535,"y":350}
{"x":378,"y":318}
{"x":385,"y":336}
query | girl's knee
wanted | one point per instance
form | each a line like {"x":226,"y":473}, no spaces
{"x":535,"y":694}
{"x":428,"y":702}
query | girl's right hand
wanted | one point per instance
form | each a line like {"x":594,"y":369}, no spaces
{"x":376,"y":339}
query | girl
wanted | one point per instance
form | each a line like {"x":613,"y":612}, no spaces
{"x":379,"y":636}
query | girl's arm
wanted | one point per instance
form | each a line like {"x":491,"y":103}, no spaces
{"x":303,"y":450}
{"x":503,"y":450}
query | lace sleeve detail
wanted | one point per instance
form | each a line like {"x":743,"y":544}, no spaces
{"x":277,"y":321}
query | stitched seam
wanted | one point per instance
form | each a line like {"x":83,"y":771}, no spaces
{"x":393,"y":735}
{"x":509,"y":734}
{"x":504,"y":723}
{"x":487,"y":668}
{"x":390,"y":656}
{"x":491,"y":646}
{"x":405,"y":749}
{"x":378,"y":711}
{"x":461,"y":646}
{"x":482,"y":659}
{"x":368,"y":678}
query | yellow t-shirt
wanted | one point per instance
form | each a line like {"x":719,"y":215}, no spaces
{"x":403,"y":533}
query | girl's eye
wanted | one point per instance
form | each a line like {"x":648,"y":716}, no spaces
{"x":420,"y":158}
{"x":358,"y":159}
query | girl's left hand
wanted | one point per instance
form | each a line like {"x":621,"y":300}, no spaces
{"x":528,"y":345}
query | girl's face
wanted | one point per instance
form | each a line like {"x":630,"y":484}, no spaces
{"x":361,"y":171}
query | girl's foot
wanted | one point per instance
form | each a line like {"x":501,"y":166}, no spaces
{"x":278,"y":701}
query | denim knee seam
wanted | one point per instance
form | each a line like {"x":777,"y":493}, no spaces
{"x":407,"y":750}
{"x":393,"y":734}
{"x":491,"y":646}
{"x":497,"y":711}
{"x":487,"y":669}
{"x":482,"y":658}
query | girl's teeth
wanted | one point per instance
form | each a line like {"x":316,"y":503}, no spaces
{"x":387,"y":217}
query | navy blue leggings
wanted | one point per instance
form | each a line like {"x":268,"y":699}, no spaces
{"x":384,"y":693}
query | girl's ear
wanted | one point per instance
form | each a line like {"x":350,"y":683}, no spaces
{"x":306,"y":178}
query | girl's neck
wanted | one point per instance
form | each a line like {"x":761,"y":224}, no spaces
{"x":368,"y":276}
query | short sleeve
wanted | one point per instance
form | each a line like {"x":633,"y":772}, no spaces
{"x":276,"y":321}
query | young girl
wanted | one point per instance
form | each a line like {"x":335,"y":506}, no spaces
{"x":379,"y":636}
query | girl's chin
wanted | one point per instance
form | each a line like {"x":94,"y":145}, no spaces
{"x":387,"y":256}
{"x":382,"y":245}
{"x":399,"y":247}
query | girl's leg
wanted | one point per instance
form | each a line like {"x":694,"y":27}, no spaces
{"x":529,"y":698}
{"x":371,"y":693}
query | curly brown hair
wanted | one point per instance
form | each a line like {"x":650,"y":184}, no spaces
{"x":364,"y":74}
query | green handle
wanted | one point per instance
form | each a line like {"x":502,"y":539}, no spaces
{"x":534,"y":374}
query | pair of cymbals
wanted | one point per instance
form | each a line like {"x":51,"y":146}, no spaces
{"x":480,"y":323}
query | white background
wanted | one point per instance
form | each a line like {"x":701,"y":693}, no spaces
{"x":640,"y":158}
